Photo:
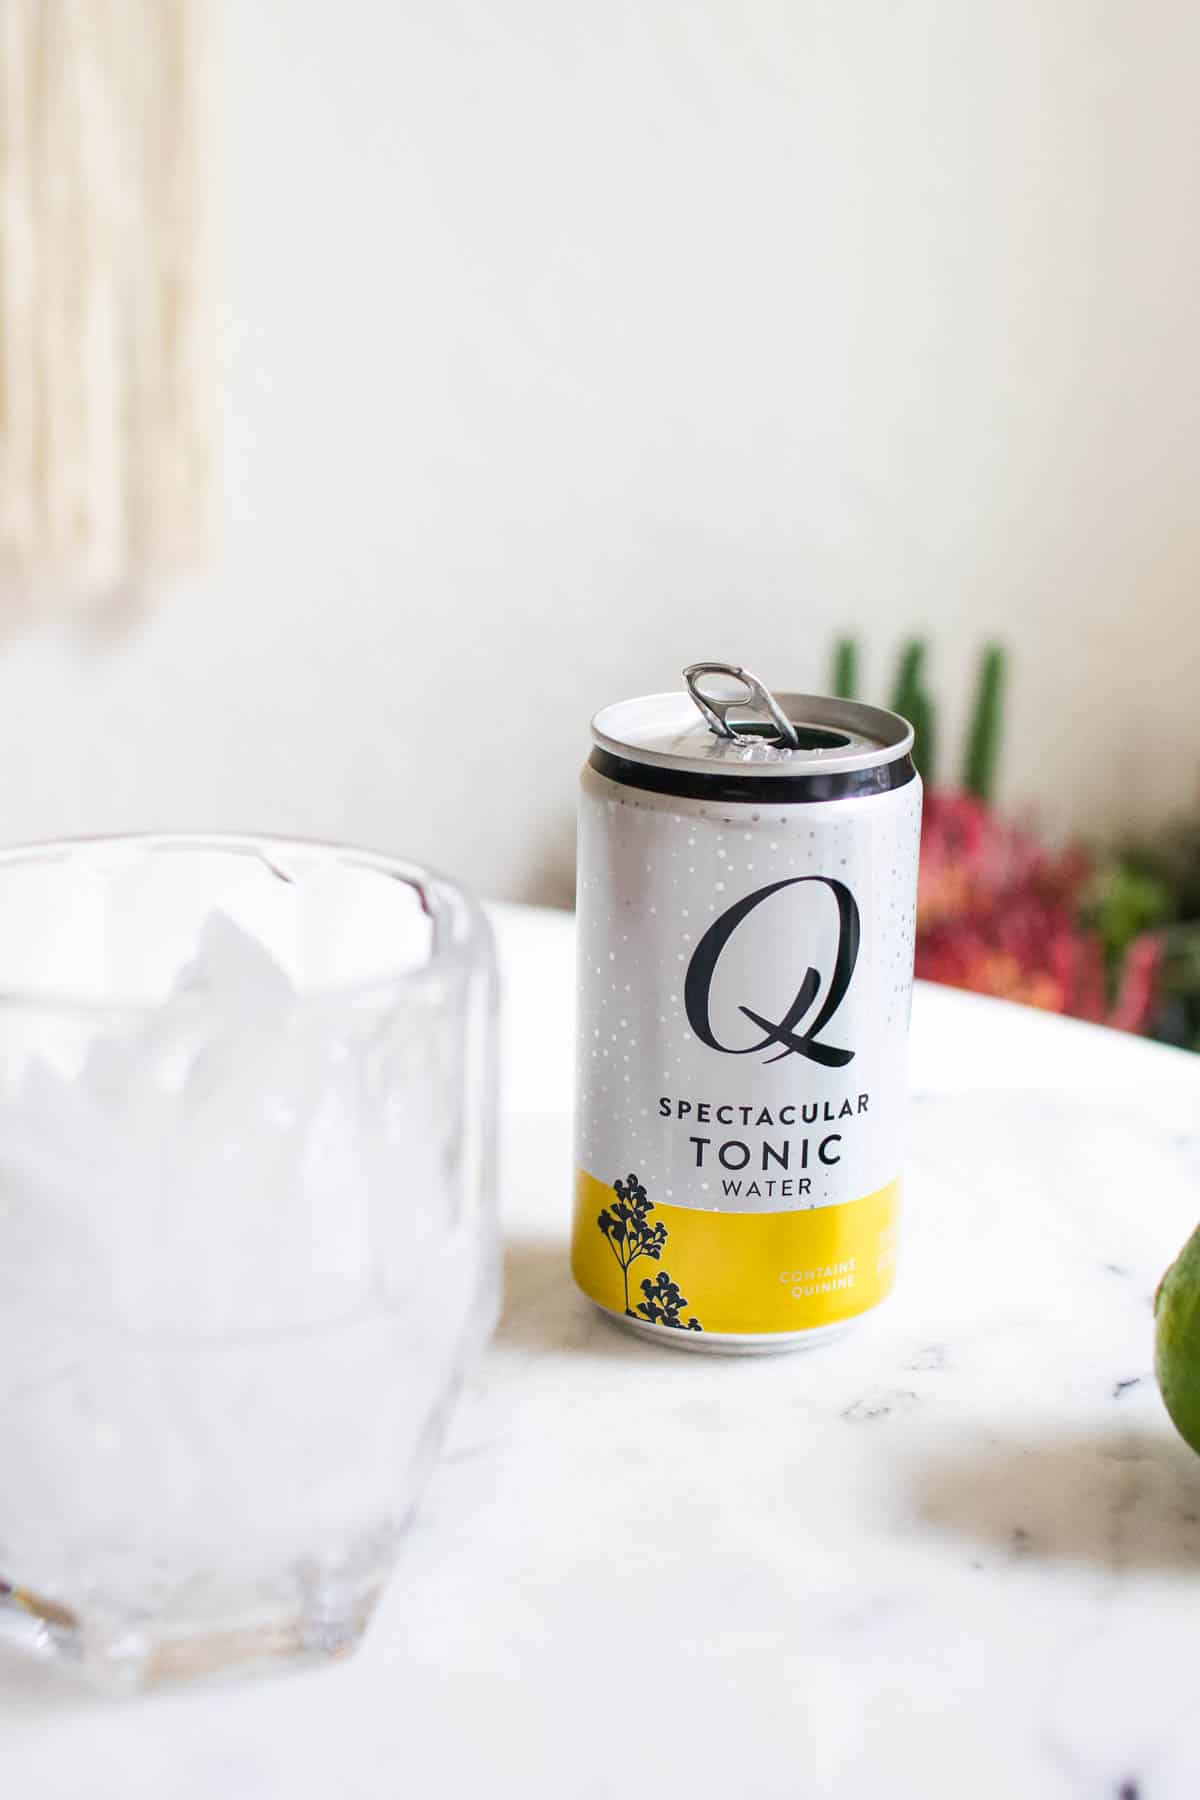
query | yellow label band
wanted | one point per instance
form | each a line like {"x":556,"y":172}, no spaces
{"x":737,"y":1272}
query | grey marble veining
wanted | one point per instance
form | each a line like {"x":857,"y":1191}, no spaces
{"x":959,"y":1552}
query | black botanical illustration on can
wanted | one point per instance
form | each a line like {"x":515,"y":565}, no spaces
{"x":630,"y":1235}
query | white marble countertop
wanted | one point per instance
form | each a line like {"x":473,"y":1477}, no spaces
{"x":957,"y":1554}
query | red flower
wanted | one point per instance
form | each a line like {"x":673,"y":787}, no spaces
{"x":999,"y":913}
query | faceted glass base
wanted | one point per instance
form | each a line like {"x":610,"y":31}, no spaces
{"x":125,"y":1659}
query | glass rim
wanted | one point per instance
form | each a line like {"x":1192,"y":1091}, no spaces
{"x":461,"y":933}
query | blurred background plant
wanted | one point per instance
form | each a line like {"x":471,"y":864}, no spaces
{"x":1111,"y":936}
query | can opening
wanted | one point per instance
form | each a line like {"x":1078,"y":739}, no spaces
{"x":808,"y":737}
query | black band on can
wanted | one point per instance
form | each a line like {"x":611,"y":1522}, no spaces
{"x":754,"y":790}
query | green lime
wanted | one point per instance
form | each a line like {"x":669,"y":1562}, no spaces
{"x":1177,"y":1340}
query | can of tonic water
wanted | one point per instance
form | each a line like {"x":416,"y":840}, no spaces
{"x":747,"y":908}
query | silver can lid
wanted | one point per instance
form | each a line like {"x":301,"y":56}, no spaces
{"x":727,"y":722}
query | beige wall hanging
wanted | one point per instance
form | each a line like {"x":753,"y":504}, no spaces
{"x":104,"y":383}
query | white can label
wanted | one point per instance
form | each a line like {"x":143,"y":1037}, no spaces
{"x":745,"y":974}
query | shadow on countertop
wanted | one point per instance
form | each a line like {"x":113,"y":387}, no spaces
{"x":1124,"y":1498}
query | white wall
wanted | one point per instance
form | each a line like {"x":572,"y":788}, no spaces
{"x":568,"y":342}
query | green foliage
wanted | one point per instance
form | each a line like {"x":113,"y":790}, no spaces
{"x":983,"y":735}
{"x":844,"y":682}
{"x":1178,"y":1020}
{"x":1153,"y":887}
{"x":1125,"y":898}
{"x":1177,"y":859}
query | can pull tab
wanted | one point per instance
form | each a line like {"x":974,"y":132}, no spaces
{"x":716,"y":701}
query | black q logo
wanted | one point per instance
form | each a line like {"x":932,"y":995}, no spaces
{"x":792,"y":1042}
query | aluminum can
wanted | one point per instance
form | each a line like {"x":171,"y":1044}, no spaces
{"x":746,"y":912}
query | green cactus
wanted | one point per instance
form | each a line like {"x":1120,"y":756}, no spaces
{"x":922,"y":716}
{"x":983,"y":736}
{"x":844,"y":682}
{"x":910,"y":678}
{"x":910,"y":698}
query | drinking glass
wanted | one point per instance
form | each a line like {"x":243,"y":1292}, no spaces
{"x":247,"y":1238}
